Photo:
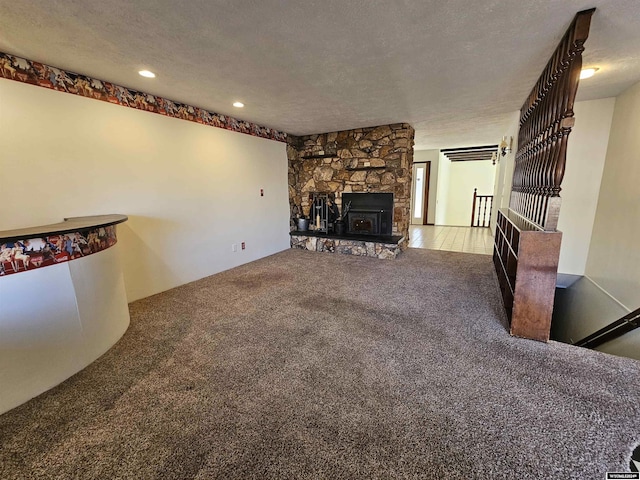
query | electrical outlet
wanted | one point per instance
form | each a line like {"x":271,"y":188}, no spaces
{"x":262,"y":192}
{"x":234,"y":248}
{"x":243,"y":245}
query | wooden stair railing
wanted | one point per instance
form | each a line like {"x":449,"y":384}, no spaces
{"x":527,"y":245}
{"x":484,"y":204}
{"x":615,"y":329}
{"x":546,"y":119}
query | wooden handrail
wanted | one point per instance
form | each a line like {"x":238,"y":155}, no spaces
{"x":615,"y":329}
{"x":484,"y":203}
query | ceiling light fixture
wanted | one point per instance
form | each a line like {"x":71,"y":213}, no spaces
{"x":238,"y":104}
{"x":588,"y":73}
{"x":147,"y":74}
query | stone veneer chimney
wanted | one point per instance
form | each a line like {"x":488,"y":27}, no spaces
{"x":374,"y":159}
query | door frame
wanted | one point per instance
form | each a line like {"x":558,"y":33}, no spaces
{"x":427,"y":179}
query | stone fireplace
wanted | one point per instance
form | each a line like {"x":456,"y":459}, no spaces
{"x":363,"y":165}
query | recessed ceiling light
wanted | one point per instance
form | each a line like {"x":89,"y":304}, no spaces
{"x":588,"y":73}
{"x":238,"y":104}
{"x":147,"y":74}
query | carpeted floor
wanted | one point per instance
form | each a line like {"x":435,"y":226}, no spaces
{"x":311,"y":365}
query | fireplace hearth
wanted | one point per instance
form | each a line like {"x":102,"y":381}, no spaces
{"x":370,"y":213}
{"x":369,"y":228}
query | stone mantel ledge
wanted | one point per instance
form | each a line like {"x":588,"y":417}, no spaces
{"x":346,"y":246}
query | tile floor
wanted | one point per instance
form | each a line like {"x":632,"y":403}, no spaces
{"x":452,"y":239}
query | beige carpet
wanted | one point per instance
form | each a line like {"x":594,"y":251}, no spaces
{"x":312,"y":365}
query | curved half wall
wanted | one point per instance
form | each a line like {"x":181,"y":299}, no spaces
{"x":61,"y":307}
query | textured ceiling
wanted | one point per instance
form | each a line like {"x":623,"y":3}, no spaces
{"x":456,"y":70}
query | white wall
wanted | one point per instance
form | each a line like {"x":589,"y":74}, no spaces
{"x":614,"y":254}
{"x":432,"y":157}
{"x":456,"y":181}
{"x":433,"y":185}
{"x":586,"y":152}
{"x":190,"y":191}
{"x":74,"y":313}
{"x":442,"y":192}
{"x":582,"y":309}
{"x":504,"y":171}
{"x":585,"y":161}
{"x":599,"y":219}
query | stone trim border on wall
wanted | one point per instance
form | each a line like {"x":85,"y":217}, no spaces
{"x":34,"y":73}
{"x":346,"y":246}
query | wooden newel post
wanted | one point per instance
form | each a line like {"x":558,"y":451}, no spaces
{"x":473,"y":209}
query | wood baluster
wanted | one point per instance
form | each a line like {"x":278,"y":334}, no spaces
{"x":484,"y":212}
{"x":539,"y":153}
{"x":473,"y":208}
{"x":546,"y":120}
{"x":558,"y":159}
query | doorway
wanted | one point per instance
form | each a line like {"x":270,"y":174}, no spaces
{"x":420,"y":193}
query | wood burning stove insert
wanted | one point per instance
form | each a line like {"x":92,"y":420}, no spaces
{"x":370,"y":213}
